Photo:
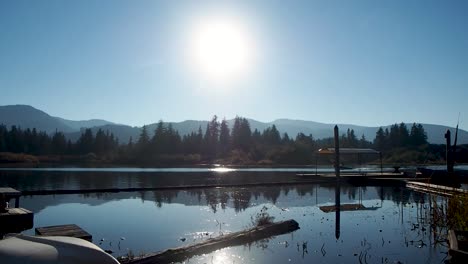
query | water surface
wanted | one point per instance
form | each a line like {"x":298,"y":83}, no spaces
{"x":391,"y":229}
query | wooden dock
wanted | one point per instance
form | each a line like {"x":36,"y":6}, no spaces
{"x":13,"y":220}
{"x":346,"y":207}
{"x":11,"y":193}
{"x":71,"y":230}
{"x":16,"y":220}
{"x":435,"y":189}
{"x":364,"y":179}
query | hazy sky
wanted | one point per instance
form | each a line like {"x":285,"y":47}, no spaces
{"x":361,"y":62}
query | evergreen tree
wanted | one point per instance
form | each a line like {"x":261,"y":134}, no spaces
{"x":417,"y":135}
{"x":142,"y":145}
{"x":241,"y":134}
{"x":85,"y":142}
{"x":380,"y":140}
{"x":159,"y":140}
{"x":271,"y":136}
{"x":212,"y":137}
{"x":224,"y":138}
{"x":100,"y":142}
{"x":59,"y":143}
{"x":403,"y":135}
{"x":3,"y":138}
{"x":363,"y":143}
{"x":394,"y":138}
{"x":285,"y":139}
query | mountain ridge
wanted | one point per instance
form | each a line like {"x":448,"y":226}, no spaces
{"x":26,"y":116}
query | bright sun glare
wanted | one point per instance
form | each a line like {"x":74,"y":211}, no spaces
{"x":221,"y":49}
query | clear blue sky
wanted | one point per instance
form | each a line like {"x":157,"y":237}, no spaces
{"x":361,"y":62}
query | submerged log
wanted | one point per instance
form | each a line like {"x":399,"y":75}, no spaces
{"x":229,"y":240}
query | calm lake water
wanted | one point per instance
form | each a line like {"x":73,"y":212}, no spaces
{"x":392,"y":228}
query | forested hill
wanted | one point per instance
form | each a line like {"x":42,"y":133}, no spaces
{"x":26,"y":116}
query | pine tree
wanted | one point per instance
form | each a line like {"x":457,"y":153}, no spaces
{"x":85,"y":142}
{"x":417,"y":135}
{"x":212,"y":137}
{"x":224,"y":137}
{"x":59,"y":143}
{"x":380,"y":140}
{"x":241,"y":134}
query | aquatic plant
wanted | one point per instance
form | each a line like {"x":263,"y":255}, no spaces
{"x":451,"y":213}
{"x":262,"y":218}
{"x":457,"y":212}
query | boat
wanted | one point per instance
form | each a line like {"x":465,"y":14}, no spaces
{"x":18,"y":248}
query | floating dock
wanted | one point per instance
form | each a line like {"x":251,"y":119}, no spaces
{"x":368,"y":179}
{"x":14,"y":219}
{"x":346,"y":207}
{"x":11,"y":193}
{"x":435,"y":189}
{"x":71,"y":230}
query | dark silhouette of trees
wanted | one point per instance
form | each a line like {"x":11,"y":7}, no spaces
{"x":219,"y":143}
{"x":241,"y":134}
{"x":212,"y":137}
{"x":59,"y":143}
{"x":401,"y":146}
{"x":85,"y":142}
{"x":224,"y":138}
{"x":417,"y":135}
{"x":30,"y":141}
{"x":380,"y":141}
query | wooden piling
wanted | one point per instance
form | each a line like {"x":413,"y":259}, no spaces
{"x":337,"y":152}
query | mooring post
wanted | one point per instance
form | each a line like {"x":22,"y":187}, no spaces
{"x":337,"y":187}
{"x":337,"y":153}
{"x":337,"y":209}
{"x":448,"y":151}
{"x":381,"y":165}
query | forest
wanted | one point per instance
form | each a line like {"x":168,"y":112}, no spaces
{"x":217,"y":143}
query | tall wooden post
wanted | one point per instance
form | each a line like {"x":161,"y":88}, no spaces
{"x":448,"y":152}
{"x":337,"y":153}
{"x":381,"y":165}
{"x":337,"y":209}
{"x":337,"y":187}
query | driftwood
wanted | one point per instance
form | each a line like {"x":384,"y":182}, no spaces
{"x":229,"y":240}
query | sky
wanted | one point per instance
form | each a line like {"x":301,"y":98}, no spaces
{"x":360,"y":62}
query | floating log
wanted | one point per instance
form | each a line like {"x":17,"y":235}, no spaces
{"x":229,"y":240}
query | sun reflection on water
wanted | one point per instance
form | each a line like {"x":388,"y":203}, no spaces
{"x":222,"y":169}
{"x":223,"y":256}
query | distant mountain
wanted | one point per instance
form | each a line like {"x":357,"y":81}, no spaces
{"x":29,"y":117}
{"x":26,"y":116}
{"x":121,"y":132}
{"x":77,"y":125}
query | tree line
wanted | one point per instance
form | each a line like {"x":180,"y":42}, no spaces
{"x":31,"y":141}
{"x":217,"y":143}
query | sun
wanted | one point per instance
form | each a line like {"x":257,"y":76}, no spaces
{"x":221,"y":49}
